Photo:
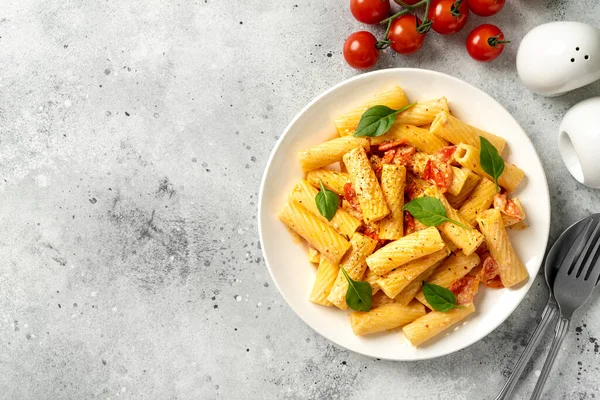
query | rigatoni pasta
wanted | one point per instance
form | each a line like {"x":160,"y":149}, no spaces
{"x":316,"y":232}
{"x":332,"y":180}
{"x":479,"y":200}
{"x":470,"y":184}
{"x":468,"y":156}
{"x":329,"y":152}
{"x":390,"y":217}
{"x":405,"y":250}
{"x":512,"y":270}
{"x":366,"y":185}
{"x":355,"y":266}
{"x":397,"y":280}
{"x":455,"y":131}
{"x":465,"y":238}
{"x":385,"y":317}
{"x":393,"y":178}
{"x":433,"y":323}
{"x":326,"y":275}
{"x":344,"y":223}
{"x":420,"y":138}
{"x":393,"y":98}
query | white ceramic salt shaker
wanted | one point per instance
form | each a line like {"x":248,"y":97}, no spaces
{"x":557,"y":57}
{"x":579,"y":141}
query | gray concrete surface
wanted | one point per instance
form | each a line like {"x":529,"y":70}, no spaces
{"x":133,"y":138}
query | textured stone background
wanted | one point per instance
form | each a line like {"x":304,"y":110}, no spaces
{"x":134,"y":134}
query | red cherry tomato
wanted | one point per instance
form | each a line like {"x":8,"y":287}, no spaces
{"x":485,"y":42}
{"x":443,"y":22}
{"x":370,"y":11}
{"x":360,"y":51}
{"x":404,"y":36}
{"x":485,"y":8}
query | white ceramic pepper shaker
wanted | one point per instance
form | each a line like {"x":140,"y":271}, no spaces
{"x":579,"y":141}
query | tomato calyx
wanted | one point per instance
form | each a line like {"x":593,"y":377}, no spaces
{"x":495,"y":41}
{"x":454,"y":10}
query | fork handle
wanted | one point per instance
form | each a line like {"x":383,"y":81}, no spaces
{"x":562,"y":327}
{"x":548,"y":315}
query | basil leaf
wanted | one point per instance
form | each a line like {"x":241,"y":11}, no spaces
{"x":439,"y":298}
{"x":359,"y":295}
{"x":377,"y":120}
{"x":327,"y":202}
{"x":429,"y":211}
{"x":491,"y":162}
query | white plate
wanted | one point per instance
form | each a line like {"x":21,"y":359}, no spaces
{"x":286,"y":258}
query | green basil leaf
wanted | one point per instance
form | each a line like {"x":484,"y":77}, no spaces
{"x":439,"y":298}
{"x":429,"y":211}
{"x":359,"y":295}
{"x":327,"y":202}
{"x":377,"y":120}
{"x":491,"y":162}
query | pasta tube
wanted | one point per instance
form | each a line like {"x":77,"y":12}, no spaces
{"x":459,"y":178}
{"x":317,"y":233}
{"x":386,"y":317}
{"x":421,"y":138}
{"x":393,"y":98}
{"x":344,"y":223}
{"x":326,"y":275}
{"x":455,"y":131}
{"x":329,"y":152}
{"x":355,"y":266}
{"x":453,"y":268}
{"x":404,"y":250}
{"x":392,"y":184}
{"x":366,"y":186}
{"x":433,"y":323}
{"x":469,"y":239}
{"x":468,"y":156}
{"x":409,"y":292}
{"x":512,"y":271}
{"x":423,"y":112}
{"x":470,"y":184}
{"x":480,"y":200}
{"x":332,"y":180}
{"x":394,"y":282}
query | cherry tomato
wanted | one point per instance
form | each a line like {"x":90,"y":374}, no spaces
{"x":443,"y":22}
{"x":404,"y":36}
{"x":370,"y":11}
{"x":485,"y":42}
{"x":360,"y":51}
{"x":485,"y":8}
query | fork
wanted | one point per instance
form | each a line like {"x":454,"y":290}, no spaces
{"x":574,"y":283}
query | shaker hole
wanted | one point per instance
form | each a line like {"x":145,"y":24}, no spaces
{"x":576,"y":48}
{"x":586,"y":57}
{"x":572,"y":60}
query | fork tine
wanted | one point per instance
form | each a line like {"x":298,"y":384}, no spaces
{"x":585,"y":253}
{"x":591,"y":270}
{"x":568,"y":260}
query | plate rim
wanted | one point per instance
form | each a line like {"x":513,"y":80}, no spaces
{"x":365,"y":76}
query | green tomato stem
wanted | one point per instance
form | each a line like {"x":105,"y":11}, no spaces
{"x":454,"y":10}
{"x":389,"y":20}
{"x":494,"y":41}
